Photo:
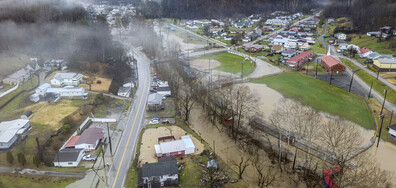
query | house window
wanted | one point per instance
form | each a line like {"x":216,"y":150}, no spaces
{"x":70,"y":163}
{"x":179,"y":152}
{"x":168,"y":154}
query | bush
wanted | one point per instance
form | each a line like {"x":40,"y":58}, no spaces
{"x":10,"y":158}
{"x":21,"y":158}
{"x":65,"y":129}
{"x":99,"y":82}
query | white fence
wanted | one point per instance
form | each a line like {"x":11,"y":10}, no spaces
{"x":9,"y":91}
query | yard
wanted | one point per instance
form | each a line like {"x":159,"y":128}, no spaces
{"x":377,"y":84}
{"x":372,"y":43}
{"x":321,"y":96}
{"x":168,"y":111}
{"x":99,"y":84}
{"x":14,"y":108}
{"x":232,"y":63}
{"x":33,"y":181}
{"x":318,"y":48}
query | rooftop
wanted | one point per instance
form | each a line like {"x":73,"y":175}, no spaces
{"x":8,"y":129}
{"x":154,"y":98}
{"x":19,"y":73}
{"x":90,"y":136}
{"x":331,"y":61}
{"x":67,"y":75}
{"x":172,"y":146}
{"x":160,"y":168}
{"x":67,"y":155}
{"x":72,"y":141}
{"x":387,"y":61}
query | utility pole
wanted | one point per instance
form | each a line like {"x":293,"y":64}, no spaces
{"x":108,"y":135}
{"x":379,"y":135}
{"x":377,"y":74}
{"x":371,"y":87}
{"x":390,"y":121}
{"x":350,"y":84}
{"x":383,"y":103}
{"x":242,"y":62}
{"x":331,"y":75}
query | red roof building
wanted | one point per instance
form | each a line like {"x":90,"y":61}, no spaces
{"x":72,"y":142}
{"x":90,"y":139}
{"x":329,"y":63}
{"x":300,"y":59}
{"x":364,"y":50}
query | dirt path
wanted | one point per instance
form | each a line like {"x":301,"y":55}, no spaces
{"x":204,"y":64}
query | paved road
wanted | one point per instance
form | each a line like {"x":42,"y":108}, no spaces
{"x":126,"y":149}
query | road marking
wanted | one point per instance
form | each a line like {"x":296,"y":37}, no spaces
{"x":130,"y":134}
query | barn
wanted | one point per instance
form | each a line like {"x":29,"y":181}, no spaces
{"x":331,"y":64}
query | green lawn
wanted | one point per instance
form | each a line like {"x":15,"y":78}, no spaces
{"x":321,"y":96}
{"x":232,"y":63}
{"x":318,"y":48}
{"x":377,"y":84}
{"x":33,"y":181}
{"x":373,"y":44}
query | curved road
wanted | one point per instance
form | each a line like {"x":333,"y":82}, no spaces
{"x":126,"y":149}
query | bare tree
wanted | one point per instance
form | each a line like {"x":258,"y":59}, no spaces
{"x":265,"y":173}
{"x":242,"y":164}
{"x":186,"y":101}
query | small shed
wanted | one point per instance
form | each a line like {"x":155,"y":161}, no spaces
{"x":27,"y":115}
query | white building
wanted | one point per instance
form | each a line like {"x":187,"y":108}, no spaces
{"x":41,"y":90}
{"x":341,"y":36}
{"x":90,"y":139}
{"x":69,"y":92}
{"x":20,"y":76}
{"x":69,"y":78}
{"x":188,"y":144}
{"x":165,"y":91}
{"x":277,"y":22}
{"x":68,"y":157}
{"x":11,"y":130}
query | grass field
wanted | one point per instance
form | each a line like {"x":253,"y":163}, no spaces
{"x":373,"y":44}
{"x":52,"y":114}
{"x":33,"y":181}
{"x":321,"y":96}
{"x":377,"y":84}
{"x":232,"y":63}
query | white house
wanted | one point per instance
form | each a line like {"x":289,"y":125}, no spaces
{"x":90,"y":139}
{"x":69,"y":78}
{"x":41,"y":90}
{"x":10,"y":131}
{"x":68,"y":157}
{"x":341,"y":36}
{"x":69,"y":92}
{"x":277,"y":22}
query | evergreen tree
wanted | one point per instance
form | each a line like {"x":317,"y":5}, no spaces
{"x":21,"y":158}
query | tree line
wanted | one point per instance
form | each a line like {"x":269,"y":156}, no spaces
{"x":192,"y":9}
{"x":366,"y":15}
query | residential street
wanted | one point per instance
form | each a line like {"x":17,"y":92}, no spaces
{"x":125,"y":151}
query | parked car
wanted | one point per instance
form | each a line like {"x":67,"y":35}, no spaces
{"x":89,"y":158}
{"x":156,"y":118}
{"x":154,"y":122}
{"x":165,"y":121}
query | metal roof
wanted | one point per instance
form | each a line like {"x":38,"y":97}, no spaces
{"x":154,"y":99}
{"x":172,"y":146}
{"x":8,"y":129}
{"x":90,"y":136}
{"x":387,"y":61}
{"x":188,"y":143}
{"x":67,"y":155}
